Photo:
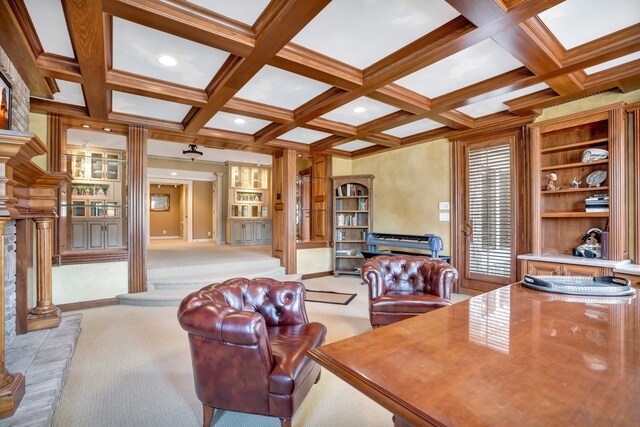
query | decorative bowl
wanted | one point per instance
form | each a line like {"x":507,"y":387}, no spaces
{"x":596,"y":178}
{"x":594,"y":154}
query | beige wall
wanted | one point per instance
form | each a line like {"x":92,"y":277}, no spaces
{"x":202,"y":209}
{"x":408,"y":185}
{"x":161,"y":163}
{"x":166,"y":223}
{"x":38,"y":125}
{"x":318,"y":260}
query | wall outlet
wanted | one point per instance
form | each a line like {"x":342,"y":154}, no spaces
{"x":164,"y":231}
{"x":444,"y":216}
{"x":209,"y":233}
{"x":443,"y":206}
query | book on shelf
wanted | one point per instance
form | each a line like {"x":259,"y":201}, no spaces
{"x":344,"y":252}
{"x":597,"y":203}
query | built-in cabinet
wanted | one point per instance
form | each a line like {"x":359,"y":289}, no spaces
{"x":96,"y":198}
{"x":352,"y":219}
{"x":249,"y":204}
{"x":578,"y":182}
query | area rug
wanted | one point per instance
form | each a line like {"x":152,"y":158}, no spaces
{"x":329,"y":297}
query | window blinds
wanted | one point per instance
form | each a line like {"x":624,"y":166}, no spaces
{"x":490,"y":210}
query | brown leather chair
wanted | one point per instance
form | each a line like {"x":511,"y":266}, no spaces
{"x":249,"y":341}
{"x":402,"y":286}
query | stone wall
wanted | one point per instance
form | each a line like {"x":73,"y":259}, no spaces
{"x":19,"y":123}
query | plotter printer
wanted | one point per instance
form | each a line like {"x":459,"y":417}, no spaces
{"x":425,"y":245}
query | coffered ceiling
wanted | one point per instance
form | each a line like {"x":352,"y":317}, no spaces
{"x":343,"y":77}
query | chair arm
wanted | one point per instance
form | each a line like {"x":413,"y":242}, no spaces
{"x":374,"y":278}
{"x":442,"y":277}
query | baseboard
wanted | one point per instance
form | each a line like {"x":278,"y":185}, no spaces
{"x":82,"y":305}
{"x":164,"y":237}
{"x":318,"y":274}
{"x":202,"y":240}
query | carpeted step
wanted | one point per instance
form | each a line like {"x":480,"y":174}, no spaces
{"x":197,"y":281}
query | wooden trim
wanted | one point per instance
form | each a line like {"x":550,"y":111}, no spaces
{"x":92,"y":257}
{"x":83,"y":305}
{"x":313,"y":244}
{"x":24,"y":265}
{"x":618,"y":249}
{"x":319,"y":274}
{"x":137,"y":204}
{"x":636,"y":184}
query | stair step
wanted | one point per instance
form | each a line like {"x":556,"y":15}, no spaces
{"x":196,"y":282}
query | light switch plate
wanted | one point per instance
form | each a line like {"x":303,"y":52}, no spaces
{"x":444,"y":216}
{"x":443,"y":206}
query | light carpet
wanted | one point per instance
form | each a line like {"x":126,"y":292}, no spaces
{"x":132,"y":367}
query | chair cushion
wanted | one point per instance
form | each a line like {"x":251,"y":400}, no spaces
{"x":289,"y":346}
{"x":405,"y":302}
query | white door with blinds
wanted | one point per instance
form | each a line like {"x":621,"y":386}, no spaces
{"x":489,"y":214}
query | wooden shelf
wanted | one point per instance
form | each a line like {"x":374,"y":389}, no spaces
{"x":575,"y":190}
{"x":575,"y":214}
{"x":574,"y":145}
{"x":574,"y":165}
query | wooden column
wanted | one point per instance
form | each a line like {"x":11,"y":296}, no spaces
{"x":284,"y":210}
{"x":618,"y":183}
{"x":137,"y":207}
{"x":11,"y":386}
{"x":57,"y":162}
{"x":44,"y":315}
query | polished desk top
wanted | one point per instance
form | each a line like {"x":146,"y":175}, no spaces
{"x":511,"y":357}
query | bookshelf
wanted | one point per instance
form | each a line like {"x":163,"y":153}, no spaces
{"x":561,"y":216}
{"x":352,"y":220}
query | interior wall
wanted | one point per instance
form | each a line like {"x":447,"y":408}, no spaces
{"x":162,"y":163}
{"x":38,"y":125}
{"x":166,"y":223}
{"x":408,"y":185}
{"x":202,"y":209}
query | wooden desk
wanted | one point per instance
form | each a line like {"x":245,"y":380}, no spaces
{"x":511,"y":357}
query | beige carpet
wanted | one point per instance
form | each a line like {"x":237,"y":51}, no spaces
{"x":132,"y":367}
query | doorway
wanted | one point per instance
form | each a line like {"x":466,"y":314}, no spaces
{"x":169,"y":210}
{"x":488,"y":225}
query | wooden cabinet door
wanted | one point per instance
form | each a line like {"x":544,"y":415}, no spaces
{"x":539,"y":268}
{"x":112,"y":234}
{"x":247,"y":232}
{"x":78,"y":235}
{"x":96,"y":235}
{"x":580,"y":270}
{"x":267,"y":232}
{"x":237,"y":232}
{"x":258,"y":232}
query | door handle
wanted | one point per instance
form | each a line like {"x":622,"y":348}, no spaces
{"x":468,"y":230}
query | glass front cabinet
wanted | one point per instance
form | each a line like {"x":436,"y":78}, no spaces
{"x":249,"y":201}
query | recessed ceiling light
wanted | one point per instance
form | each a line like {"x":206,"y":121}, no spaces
{"x":84,"y":125}
{"x":174,"y":173}
{"x":239,"y":121}
{"x":167,"y":60}
{"x":359,"y":110}
{"x":106,"y":129}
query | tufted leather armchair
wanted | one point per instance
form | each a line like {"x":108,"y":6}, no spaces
{"x":249,"y":341}
{"x":404,"y":286}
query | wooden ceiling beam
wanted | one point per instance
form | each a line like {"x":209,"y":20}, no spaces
{"x":244,"y":107}
{"x":221,"y":33}
{"x":329,"y":126}
{"x":87,"y":30}
{"x":159,"y":89}
{"x":144,"y":121}
{"x":19,"y":47}
{"x":59,"y":67}
{"x":274,"y":36}
{"x":47,"y":106}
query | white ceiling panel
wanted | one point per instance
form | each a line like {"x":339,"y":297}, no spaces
{"x":575,"y":22}
{"x":613,"y":63}
{"x":174,"y":150}
{"x":148,"y":107}
{"x":413,"y":128}
{"x":472,"y":65}
{"x":496,"y":104}
{"x":137,"y":49}
{"x":70,"y":93}
{"x":96,"y":139}
{"x":236,"y":123}
{"x":361,"y":32}
{"x":281,"y":88}
{"x":360,"y":111}
{"x":246,"y":11}
{"x":354,"y":145}
{"x":305,"y":136}
{"x":51,"y":26}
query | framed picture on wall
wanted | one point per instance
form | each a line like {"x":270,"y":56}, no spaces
{"x":159,"y":202}
{"x":5,"y":103}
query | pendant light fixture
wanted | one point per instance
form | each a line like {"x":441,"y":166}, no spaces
{"x":192,"y":152}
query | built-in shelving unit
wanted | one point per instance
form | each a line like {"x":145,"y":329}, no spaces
{"x":560,"y":217}
{"x":352,"y":219}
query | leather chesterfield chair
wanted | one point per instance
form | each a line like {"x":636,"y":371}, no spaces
{"x":249,"y":341}
{"x":402,"y":286}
